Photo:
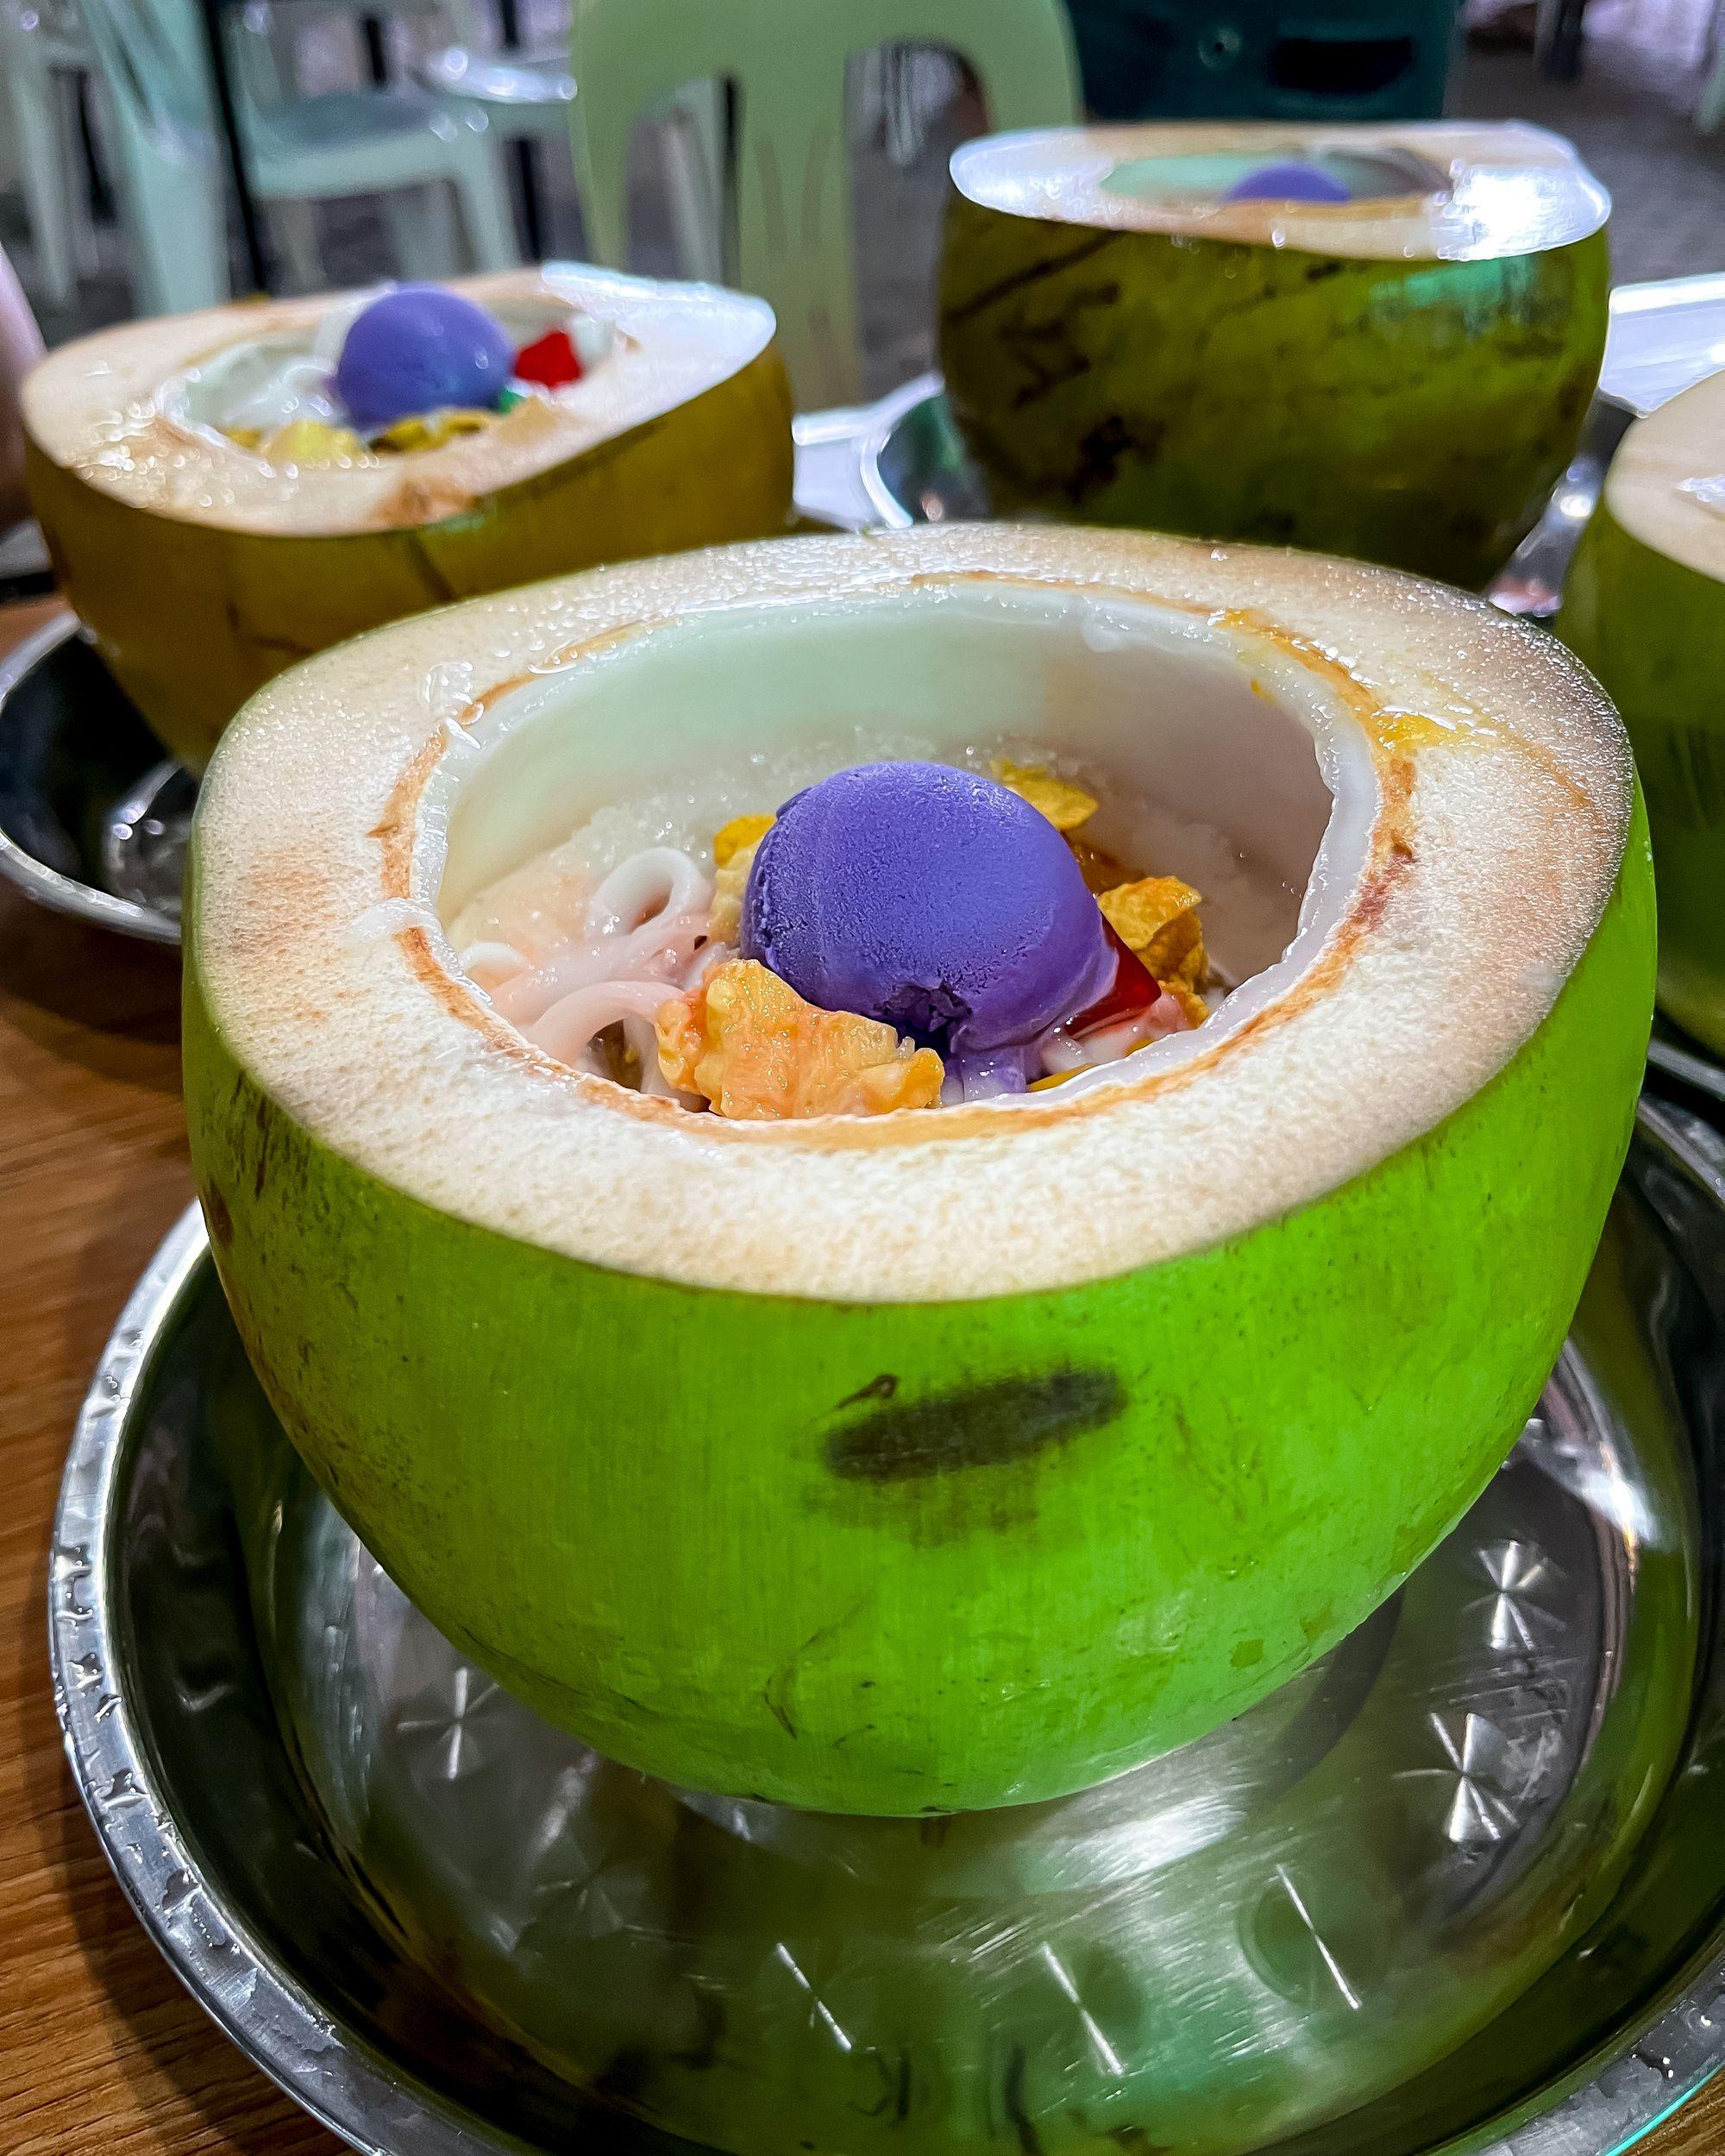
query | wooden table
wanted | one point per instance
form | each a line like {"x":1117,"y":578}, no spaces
{"x":100,"y":2050}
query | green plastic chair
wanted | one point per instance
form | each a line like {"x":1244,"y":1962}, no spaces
{"x":788,"y":228}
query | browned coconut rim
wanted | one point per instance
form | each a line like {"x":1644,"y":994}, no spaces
{"x":105,"y":407}
{"x":1510,"y":189}
{"x":1501,"y":786}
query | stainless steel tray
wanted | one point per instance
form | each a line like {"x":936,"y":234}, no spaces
{"x":1461,"y":1887}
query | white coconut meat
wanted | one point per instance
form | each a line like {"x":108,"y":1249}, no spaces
{"x":1447,"y":791}
{"x":138,"y":411}
{"x":1666,"y":484}
{"x":1434,"y":190}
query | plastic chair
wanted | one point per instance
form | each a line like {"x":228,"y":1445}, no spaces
{"x":150,"y":59}
{"x":411,"y":148}
{"x":1265,"y":59}
{"x":42,"y":54}
{"x":401,"y":145}
{"x":789,"y":187}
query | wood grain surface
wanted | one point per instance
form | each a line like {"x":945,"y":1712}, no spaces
{"x":100,"y":2049}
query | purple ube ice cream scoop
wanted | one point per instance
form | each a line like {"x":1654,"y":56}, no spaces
{"x":931,"y":898}
{"x":416,"y":349}
{"x":1292,"y":182}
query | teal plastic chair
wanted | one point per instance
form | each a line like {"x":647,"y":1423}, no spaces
{"x":405,"y":146}
{"x":1303,"y":61}
{"x":43,"y":54}
{"x":788,"y":232}
{"x":151,"y":61}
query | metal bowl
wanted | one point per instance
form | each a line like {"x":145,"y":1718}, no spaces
{"x":93,"y":821}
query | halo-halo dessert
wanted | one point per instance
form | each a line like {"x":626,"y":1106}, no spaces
{"x":1644,"y":605}
{"x":216,"y":508}
{"x":902,"y":933}
{"x":940,"y":1457}
{"x":1374,"y":340}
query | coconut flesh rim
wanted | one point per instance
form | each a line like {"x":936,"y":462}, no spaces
{"x":1481,"y":792}
{"x":1450,"y":191}
{"x":132,"y":410}
{"x":1666,"y":484}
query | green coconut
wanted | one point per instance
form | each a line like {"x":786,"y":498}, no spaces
{"x":1644,"y":605}
{"x":1401,"y":378}
{"x":202,"y":568}
{"x":948,"y":1458}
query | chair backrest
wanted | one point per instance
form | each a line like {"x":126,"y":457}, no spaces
{"x":152,"y":60}
{"x":789,"y":179}
{"x":264,"y":39}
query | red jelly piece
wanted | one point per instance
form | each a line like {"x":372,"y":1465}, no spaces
{"x":550,"y":362}
{"x":1133,"y":989}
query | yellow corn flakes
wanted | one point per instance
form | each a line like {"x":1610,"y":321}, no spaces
{"x":1157,"y":917}
{"x":740,"y":832}
{"x":432,"y":429}
{"x":725,"y":919}
{"x":747,"y":1041}
{"x":1065,"y":806}
{"x":310,"y":442}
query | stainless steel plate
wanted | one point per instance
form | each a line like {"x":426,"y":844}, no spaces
{"x":1688,"y":1065}
{"x":1460,"y":1887}
{"x":917,"y":470}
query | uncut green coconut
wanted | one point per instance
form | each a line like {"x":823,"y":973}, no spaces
{"x":1400,"y":378}
{"x":1644,"y":605}
{"x":202,"y":568}
{"x":951,"y":1458}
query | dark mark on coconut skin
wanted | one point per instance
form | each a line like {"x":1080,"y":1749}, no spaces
{"x":880,"y":1387}
{"x":994,"y":1425}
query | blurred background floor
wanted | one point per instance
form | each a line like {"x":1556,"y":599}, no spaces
{"x":1630,"y":113}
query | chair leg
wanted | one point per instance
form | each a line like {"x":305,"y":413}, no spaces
{"x":1710,"y":108}
{"x":177,"y":237}
{"x":599,"y":139}
{"x":418,"y":230}
{"x":693,"y":136}
{"x":487,"y":220}
{"x":293,"y":226}
{"x":43,"y":177}
{"x":80,"y":177}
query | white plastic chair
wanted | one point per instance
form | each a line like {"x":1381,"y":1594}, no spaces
{"x":788,"y":178}
{"x":401,"y":145}
{"x":42,"y":54}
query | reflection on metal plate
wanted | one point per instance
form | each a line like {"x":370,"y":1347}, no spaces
{"x":1424,"y":1896}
